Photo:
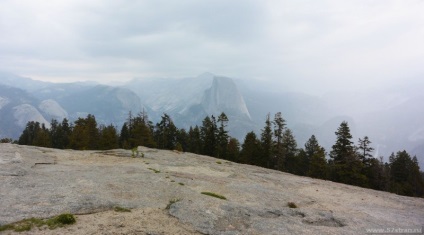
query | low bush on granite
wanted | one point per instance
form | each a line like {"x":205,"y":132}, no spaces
{"x":291,"y":205}
{"x":121,"y":209}
{"x":172,"y":202}
{"x":52,"y":223}
{"x":214,"y":195}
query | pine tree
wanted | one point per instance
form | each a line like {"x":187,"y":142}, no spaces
{"x":291,"y":159}
{"x":183,"y":140}
{"x":208,"y":133}
{"x":279,"y":151}
{"x":365,"y":149}
{"x":405,"y":178}
{"x":267,"y":145}
{"x":124,"y":137}
{"x":108,"y":137}
{"x":59,"y":133}
{"x":85,"y":134}
{"x":195,"y":142}
{"x":251,"y":150}
{"x":343,"y":146}
{"x":140,"y":133}
{"x":29,"y":133}
{"x":222,"y":136}
{"x":233,"y":150}
{"x":66,"y":132}
{"x":318,"y":165}
{"x":345,"y":164}
{"x":313,"y":162}
{"x":42,"y":137}
{"x":165,"y":133}
{"x":372,"y":168}
{"x":376,"y":174}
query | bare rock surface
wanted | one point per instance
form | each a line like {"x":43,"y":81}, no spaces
{"x":42,"y":182}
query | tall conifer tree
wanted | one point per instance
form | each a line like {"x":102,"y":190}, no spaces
{"x":268,"y":159}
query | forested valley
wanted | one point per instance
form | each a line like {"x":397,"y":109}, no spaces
{"x":275,"y":148}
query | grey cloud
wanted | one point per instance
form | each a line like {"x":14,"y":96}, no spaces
{"x":291,"y":44}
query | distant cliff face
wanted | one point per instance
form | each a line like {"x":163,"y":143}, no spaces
{"x":189,"y":100}
{"x":53,"y":110}
{"x":17,"y":107}
{"x":224,"y":96}
{"x":212,"y":93}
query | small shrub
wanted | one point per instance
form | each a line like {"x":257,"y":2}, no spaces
{"x":172,"y":202}
{"x":6,"y":227}
{"x":121,"y":209}
{"x":52,"y":223}
{"x":291,"y":205}
{"x":181,"y":184}
{"x":156,"y":171}
{"x":23,"y":227}
{"x":218,"y":162}
{"x":66,"y":219}
{"x":35,"y":221}
{"x":172,"y":181}
{"x":60,"y":221}
{"x":214,"y":195}
{"x":178,"y":147}
{"x":6,"y":140}
{"x":134,"y":151}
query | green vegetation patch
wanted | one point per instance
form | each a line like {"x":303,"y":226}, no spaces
{"x":214,"y":195}
{"x":60,"y":221}
{"x":291,"y":205}
{"x":218,"y":162}
{"x":6,"y":227}
{"x":52,"y":223}
{"x":121,"y":209}
{"x":152,"y":169}
{"x":182,"y":184}
{"x":172,"y":202}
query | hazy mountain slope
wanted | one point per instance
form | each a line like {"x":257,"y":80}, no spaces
{"x":52,"y":110}
{"x":223,"y":96}
{"x":107,"y":104}
{"x":171,"y":95}
{"x":58,"y":91}
{"x":46,"y":101}
{"x":189,"y":100}
{"x":27,"y":84}
{"x":391,"y":118}
{"x":17,"y":107}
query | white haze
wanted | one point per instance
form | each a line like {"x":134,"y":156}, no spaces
{"x":308,"y":46}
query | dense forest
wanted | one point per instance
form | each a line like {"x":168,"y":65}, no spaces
{"x":275,"y":148}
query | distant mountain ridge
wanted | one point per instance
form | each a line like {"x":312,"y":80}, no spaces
{"x":188,"y":101}
{"x":17,"y":107}
{"x":392,"y":119}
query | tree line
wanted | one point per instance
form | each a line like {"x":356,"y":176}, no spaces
{"x":275,"y":148}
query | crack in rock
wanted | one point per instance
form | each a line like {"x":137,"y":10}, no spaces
{"x":323,"y":219}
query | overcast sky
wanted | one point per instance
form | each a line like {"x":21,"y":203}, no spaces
{"x":298,"y":44}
